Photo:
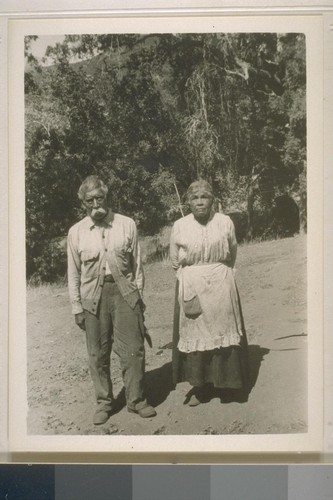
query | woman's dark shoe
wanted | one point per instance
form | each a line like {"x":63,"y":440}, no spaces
{"x":198,"y":395}
{"x":194,"y":401}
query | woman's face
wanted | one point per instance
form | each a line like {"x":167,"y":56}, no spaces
{"x":201,"y":202}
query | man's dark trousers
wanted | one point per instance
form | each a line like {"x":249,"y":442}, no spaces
{"x":120,"y":327}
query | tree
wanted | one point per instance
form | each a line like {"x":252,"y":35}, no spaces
{"x":151,"y":112}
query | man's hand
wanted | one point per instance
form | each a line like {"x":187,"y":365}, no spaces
{"x":142,"y":305}
{"x":80,"y":320}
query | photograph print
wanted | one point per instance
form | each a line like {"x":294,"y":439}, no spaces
{"x":166,"y":234}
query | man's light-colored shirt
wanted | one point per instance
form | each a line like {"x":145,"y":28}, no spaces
{"x":94,"y":247}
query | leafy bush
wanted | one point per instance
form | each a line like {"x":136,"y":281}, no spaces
{"x":152,"y":113}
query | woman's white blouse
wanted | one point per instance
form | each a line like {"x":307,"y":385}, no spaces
{"x":194,"y":243}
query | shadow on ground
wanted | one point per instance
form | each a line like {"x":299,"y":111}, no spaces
{"x":159,"y":382}
{"x":256,"y":356}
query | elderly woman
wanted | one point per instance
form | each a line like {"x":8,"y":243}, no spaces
{"x":209,"y":335}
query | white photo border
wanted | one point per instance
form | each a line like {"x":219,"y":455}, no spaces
{"x":312,"y":442}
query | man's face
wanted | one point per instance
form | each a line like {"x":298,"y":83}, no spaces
{"x":201,"y":202}
{"x":95,"y":204}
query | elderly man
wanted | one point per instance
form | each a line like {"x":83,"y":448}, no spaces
{"x":105,"y":280}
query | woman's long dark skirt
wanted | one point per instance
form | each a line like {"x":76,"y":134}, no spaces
{"x":225,"y":368}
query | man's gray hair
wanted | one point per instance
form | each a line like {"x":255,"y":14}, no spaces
{"x":89,"y":184}
{"x":200,"y":184}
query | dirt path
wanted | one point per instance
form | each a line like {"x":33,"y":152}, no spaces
{"x":272,"y":282}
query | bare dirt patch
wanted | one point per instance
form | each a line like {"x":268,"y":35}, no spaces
{"x":271,"y":277}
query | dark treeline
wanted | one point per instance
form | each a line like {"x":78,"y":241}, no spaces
{"x":152,"y":113}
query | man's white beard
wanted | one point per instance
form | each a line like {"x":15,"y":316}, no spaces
{"x":98,"y":213}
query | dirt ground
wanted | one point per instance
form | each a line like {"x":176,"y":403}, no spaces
{"x":271,"y":277}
